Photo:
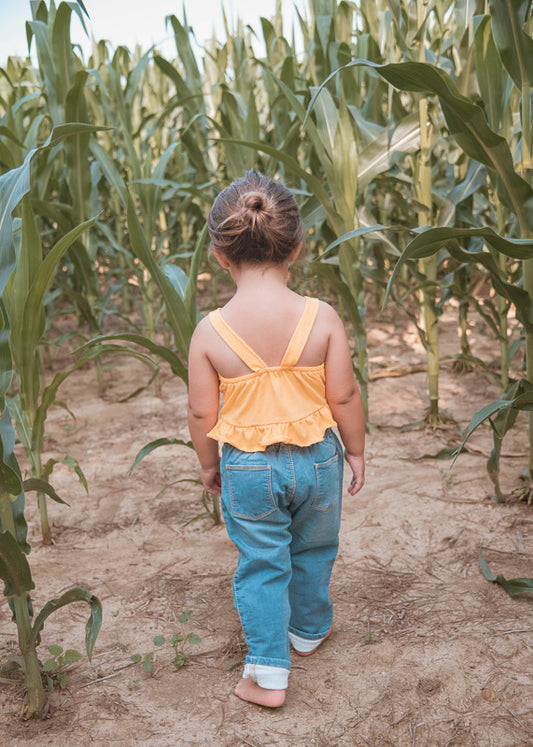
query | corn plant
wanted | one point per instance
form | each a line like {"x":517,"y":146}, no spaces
{"x":63,"y":83}
{"x":14,"y":568}
{"x":469,"y":126}
{"x":23,"y":301}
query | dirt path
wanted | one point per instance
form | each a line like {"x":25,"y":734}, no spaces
{"x":424,"y":651}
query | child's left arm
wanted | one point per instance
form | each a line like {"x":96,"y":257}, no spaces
{"x":203,"y":409}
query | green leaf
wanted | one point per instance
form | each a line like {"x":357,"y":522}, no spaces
{"x":512,"y":586}
{"x":184,"y":617}
{"x":351,"y":235}
{"x":110,"y":171}
{"x":10,"y":477}
{"x":42,"y":486}
{"x":523,"y":401}
{"x":178,"y":278}
{"x":148,"y":664}
{"x":72,"y":655}
{"x":495,"y":85}
{"x":48,"y":398}
{"x":72,"y":462}
{"x":514,"y":45}
{"x":155,"y":445}
{"x":430,"y":240}
{"x":136,"y":658}
{"x":192,"y":283}
{"x":383,"y":151}
{"x":159,"y":350}
{"x":193,"y":638}
{"x":14,"y":568}
{"x":92,"y":626}
{"x":41,"y":284}
{"x":55,"y":650}
{"x":177,"y":316}
{"x":159,"y":640}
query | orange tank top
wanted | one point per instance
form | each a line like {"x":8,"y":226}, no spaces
{"x":279,"y":404}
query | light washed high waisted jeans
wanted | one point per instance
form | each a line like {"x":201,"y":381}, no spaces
{"x":282,"y":510}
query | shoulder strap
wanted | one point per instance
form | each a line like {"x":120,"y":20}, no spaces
{"x":232,"y":340}
{"x":301,"y":333}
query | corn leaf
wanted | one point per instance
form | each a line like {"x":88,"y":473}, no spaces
{"x":512,"y":586}
{"x":429,"y":241}
{"x":385,"y":149}
{"x":42,"y":486}
{"x":514,"y":45}
{"x":155,"y":445}
{"x":159,"y":350}
{"x":10,"y":478}
{"x":48,"y":398}
{"x":68,"y":461}
{"x":94,"y":622}
{"x":14,"y":568}
{"x":494,"y":82}
{"x":351,"y":235}
{"x":523,"y":401}
{"x":192,"y":284}
{"x":178,"y":318}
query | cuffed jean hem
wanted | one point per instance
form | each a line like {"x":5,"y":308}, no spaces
{"x":316,"y":637}
{"x":270,"y":678}
{"x":304,"y":645}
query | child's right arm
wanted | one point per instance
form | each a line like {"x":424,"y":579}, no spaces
{"x":344,"y":398}
{"x":203,"y":408}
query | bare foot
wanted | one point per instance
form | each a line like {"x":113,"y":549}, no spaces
{"x":308,"y":653}
{"x":247,"y":689}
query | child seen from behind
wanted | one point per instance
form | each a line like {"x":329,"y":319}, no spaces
{"x":282,"y":364}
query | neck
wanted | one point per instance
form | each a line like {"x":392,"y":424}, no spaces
{"x":259,"y":278}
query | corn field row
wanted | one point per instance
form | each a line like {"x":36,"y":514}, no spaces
{"x":404,"y":129}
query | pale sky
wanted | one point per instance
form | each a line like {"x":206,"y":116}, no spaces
{"x":130,"y":21}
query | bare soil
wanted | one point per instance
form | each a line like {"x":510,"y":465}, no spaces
{"x":425,"y":651}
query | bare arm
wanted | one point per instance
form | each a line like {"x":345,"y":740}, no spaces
{"x":203,"y":409}
{"x":344,"y":399}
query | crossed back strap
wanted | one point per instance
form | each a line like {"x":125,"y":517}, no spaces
{"x":245,"y":352}
{"x":236,"y":343}
{"x":301,"y":333}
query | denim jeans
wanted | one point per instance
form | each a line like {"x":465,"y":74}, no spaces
{"x":282,"y":510}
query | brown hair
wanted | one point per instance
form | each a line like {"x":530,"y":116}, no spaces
{"x":255,"y":220}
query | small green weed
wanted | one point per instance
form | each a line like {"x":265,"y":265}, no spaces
{"x":178,"y":642}
{"x":370,"y":636}
{"x":55,"y":667}
{"x":147,"y":661}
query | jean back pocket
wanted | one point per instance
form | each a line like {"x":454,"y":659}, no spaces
{"x":250,"y":491}
{"x":328,"y":484}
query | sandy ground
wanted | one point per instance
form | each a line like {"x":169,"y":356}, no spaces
{"x":424,"y":651}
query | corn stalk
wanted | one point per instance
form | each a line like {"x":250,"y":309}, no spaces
{"x":427,"y":267}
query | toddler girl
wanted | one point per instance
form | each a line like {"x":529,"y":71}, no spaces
{"x":283,"y":366}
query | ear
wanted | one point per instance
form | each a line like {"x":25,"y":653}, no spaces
{"x":295,"y":253}
{"x":220,"y":257}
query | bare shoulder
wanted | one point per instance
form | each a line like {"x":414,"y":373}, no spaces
{"x":202,"y":335}
{"x":328,"y":318}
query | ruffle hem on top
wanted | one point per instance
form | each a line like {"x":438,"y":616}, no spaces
{"x":304,"y":432}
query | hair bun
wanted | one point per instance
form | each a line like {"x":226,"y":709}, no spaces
{"x":255,"y":201}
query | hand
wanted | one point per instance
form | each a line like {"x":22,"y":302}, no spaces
{"x":211,"y":480}
{"x":357,"y":465}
